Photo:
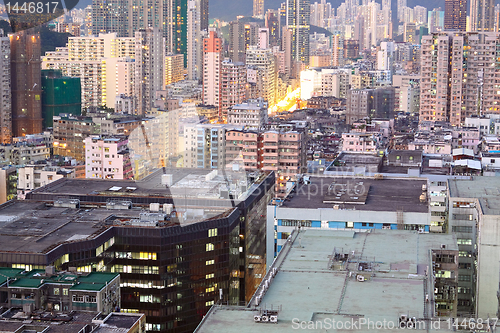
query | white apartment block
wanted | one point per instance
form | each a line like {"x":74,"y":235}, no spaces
{"x":205,"y":145}
{"x":459,"y":76}
{"x":359,"y":142}
{"x":251,"y":113}
{"x":107,"y":158}
{"x":31,"y":177}
{"x":118,"y":77}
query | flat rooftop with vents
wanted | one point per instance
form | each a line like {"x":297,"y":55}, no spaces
{"x":325,"y":275}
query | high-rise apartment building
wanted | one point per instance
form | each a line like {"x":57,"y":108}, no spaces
{"x":204,"y":15}
{"x":110,"y":16}
{"x":297,"y":20}
{"x":5,"y":92}
{"x":258,"y":9}
{"x":212,"y":58}
{"x":89,"y":59}
{"x":456,"y":83}
{"x":149,"y":62}
{"x":265,"y":62}
{"x":60,"y":95}
{"x":125,"y":17}
{"x":436,"y":20}
{"x":410,"y":33}
{"x":233,"y":80}
{"x":176,"y":27}
{"x":236,"y":48}
{"x":273,"y":24}
{"x":455,"y":15}
{"x":280,"y":151}
{"x":118,"y":78}
{"x":482,"y":15}
{"x":337,"y":50}
{"x":174,"y":68}
{"x":205,"y":145}
{"x":26,"y":83}
{"x":194,"y":42}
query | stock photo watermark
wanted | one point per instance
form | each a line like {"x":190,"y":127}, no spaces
{"x":409,"y":324}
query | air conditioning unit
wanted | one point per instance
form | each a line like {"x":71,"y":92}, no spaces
{"x":265,"y":319}
{"x":273,"y":319}
{"x":360,"y":278}
{"x":257,"y":319}
{"x":443,"y":246}
{"x":387,"y":227}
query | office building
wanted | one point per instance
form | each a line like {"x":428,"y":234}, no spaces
{"x":212,"y":59}
{"x":60,"y":95}
{"x":472,"y":214}
{"x":472,"y":90}
{"x":344,"y":278}
{"x":26,"y":85}
{"x":455,"y":15}
{"x":351,"y":204}
{"x":149,"y":67}
{"x":185,"y":245}
{"x":5,"y":92}
{"x":297,"y":20}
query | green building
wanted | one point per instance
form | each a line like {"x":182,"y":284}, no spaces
{"x":60,"y":95}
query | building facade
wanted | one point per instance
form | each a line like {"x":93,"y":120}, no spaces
{"x":107,"y":158}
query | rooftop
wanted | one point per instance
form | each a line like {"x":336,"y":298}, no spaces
{"x":36,"y":278}
{"x":75,"y":321}
{"x":486,"y":189}
{"x":185,"y":183}
{"x":307,"y":287}
{"x":360,"y":194}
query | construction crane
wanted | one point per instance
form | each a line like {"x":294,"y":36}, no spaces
{"x":148,"y":144}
